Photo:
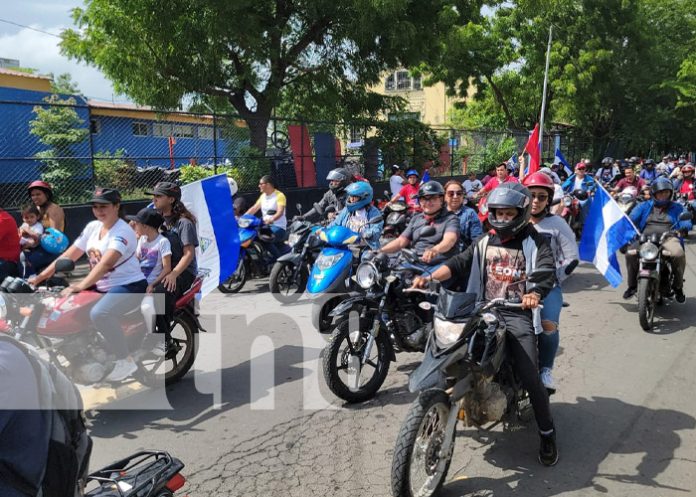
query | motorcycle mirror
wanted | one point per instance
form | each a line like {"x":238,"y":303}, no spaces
{"x":685,"y":216}
{"x":64,"y":265}
{"x":427,"y":231}
{"x":298,"y":206}
{"x":539,"y":274}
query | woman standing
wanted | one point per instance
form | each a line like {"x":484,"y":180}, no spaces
{"x":110,"y":247}
{"x":52,"y":216}
{"x":565,"y":253}
{"x":272,"y":204}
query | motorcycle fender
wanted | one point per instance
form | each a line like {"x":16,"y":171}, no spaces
{"x":291,"y":257}
{"x":429,"y":373}
{"x":461,"y":387}
{"x":187,"y":310}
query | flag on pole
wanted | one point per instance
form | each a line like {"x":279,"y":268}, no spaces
{"x":559,"y":159}
{"x":426,"y":176}
{"x":210,"y":200}
{"x":606,"y":230}
{"x":532,"y":148}
{"x":513,"y":163}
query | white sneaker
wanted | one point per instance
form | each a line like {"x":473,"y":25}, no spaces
{"x":160,"y":350}
{"x":547,"y":380}
{"x":123,"y":368}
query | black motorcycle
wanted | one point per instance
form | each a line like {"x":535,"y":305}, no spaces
{"x":396,"y":217}
{"x":288,"y":278}
{"x":374,"y":324}
{"x":465,"y":375}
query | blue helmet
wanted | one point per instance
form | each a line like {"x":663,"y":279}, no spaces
{"x":54,"y":241}
{"x":412,"y":172}
{"x":363,"y":191}
{"x":659,"y":185}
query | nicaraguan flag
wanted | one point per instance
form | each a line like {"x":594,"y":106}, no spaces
{"x":513,"y":163}
{"x":210,"y":200}
{"x":606,"y":230}
{"x":559,"y":159}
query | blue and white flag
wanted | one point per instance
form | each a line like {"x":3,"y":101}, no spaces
{"x":606,"y":230}
{"x":513,"y":163}
{"x":559,"y":159}
{"x":210,"y":200}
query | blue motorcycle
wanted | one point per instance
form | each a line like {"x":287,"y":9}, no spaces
{"x":255,"y":261}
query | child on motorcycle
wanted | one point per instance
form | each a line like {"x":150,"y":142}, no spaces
{"x":496,"y":266}
{"x":358,"y":213}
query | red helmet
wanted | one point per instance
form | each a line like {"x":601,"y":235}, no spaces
{"x":539,"y":180}
{"x":688,"y":168}
{"x":41,"y":185}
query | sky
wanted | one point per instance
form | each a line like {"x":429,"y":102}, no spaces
{"x":40,"y":51}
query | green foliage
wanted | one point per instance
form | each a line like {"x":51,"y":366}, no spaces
{"x":60,"y":128}
{"x":248,"y":167}
{"x":114,"y":171}
{"x":407,"y":142}
{"x":190,"y":173}
{"x":493,"y":151}
{"x":64,"y":84}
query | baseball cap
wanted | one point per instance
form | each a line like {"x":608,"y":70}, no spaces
{"x":166,"y":188}
{"x":148,"y":217}
{"x":106,"y":196}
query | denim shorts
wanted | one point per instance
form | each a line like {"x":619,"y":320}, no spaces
{"x":552,"y":305}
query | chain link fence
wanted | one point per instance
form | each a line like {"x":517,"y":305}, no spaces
{"x":79,"y":146}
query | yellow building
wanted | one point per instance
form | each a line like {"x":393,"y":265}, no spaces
{"x":428,"y":104}
{"x":10,"y":78}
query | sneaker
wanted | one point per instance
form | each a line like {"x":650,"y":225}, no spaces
{"x":547,"y":380}
{"x":679,"y":295}
{"x":548,"y":452}
{"x":160,"y":350}
{"x":123,"y":368}
{"x":630,"y":292}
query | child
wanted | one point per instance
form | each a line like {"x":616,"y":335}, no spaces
{"x":155,"y":255}
{"x":31,"y":230}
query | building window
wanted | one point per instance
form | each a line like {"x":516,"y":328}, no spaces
{"x":403,"y":116}
{"x":140,"y":129}
{"x":206,"y":133}
{"x":161,"y":129}
{"x":183,"y":131}
{"x":95,"y":126}
{"x":356,"y":134}
{"x":417,"y":83}
{"x":403,"y":80}
{"x":389,"y":83}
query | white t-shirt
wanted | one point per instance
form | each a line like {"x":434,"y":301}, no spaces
{"x":121,"y":238}
{"x":150,"y":255}
{"x":37,"y":228}
{"x":273,"y":202}
{"x":578,"y":183}
{"x":395,"y":183}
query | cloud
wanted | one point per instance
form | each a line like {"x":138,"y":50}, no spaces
{"x":40,"y":51}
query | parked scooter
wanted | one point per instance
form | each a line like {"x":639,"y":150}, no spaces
{"x":62,"y":327}
{"x":254,"y":259}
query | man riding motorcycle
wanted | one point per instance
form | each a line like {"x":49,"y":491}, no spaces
{"x":409,"y":192}
{"x":648,"y":173}
{"x":659,"y":215}
{"x":496,"y":266}
{"x":580,"y":180}
{"x":358,"y":213}
{"x":686,"y":185}
{"x":338,"y":179}
{"x":442,"y":244}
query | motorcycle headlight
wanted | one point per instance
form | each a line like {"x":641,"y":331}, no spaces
{"x":447,"y":332}
{"x":366,"y":275}
{"x":293,"y":238}
{"x":649,"y":251}
{"x":324,"y":262}
{"x":567,"y":201}
{"x":3,"y":307}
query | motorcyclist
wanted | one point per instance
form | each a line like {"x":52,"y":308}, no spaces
{"x":335,"y":197}
{"x":501,"y":176}
{"x":630,"y":179}
{"x":676,"y":170}
{"x":659,"y":215}
{"x":496,"y":266}
{"x":648,"y":173}
{"x":664,"y":168}
{"x":565,"y":252}
{"x":435,"y":248}
{"x":358,"y":213}
{"x":409,"y":192}
{"x":469,"y":224}
{"x":110,"y":244}
{"x":686,"y":184}
{"x":580,"y":180}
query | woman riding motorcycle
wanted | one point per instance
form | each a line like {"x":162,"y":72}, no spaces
{"x":358,"y":212}
{"x":110,"y":244}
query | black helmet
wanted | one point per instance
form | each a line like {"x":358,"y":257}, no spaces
{"x":682,"y":162}
{"x":648,"y":162}
{"x":509,"y":195}
{"x":431,"y":188}
{"x":342,"y":175}
{"x":607,"y":161}
{"x":661,"y":184}
{"x":633,"y":160}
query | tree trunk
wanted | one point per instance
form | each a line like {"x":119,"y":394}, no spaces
{"x":258,"y":127}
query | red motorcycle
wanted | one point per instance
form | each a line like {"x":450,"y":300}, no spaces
{"x":62,"y":327}
{"x":571,"y":210}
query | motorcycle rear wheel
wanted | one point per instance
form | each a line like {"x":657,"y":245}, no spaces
{"x":283,"y":289}
{"x":646,"y":303}
{"x":181,"y":355}
{"x":418,"y":468}
{"x":342,"y":356}
{"x":236,"y":282}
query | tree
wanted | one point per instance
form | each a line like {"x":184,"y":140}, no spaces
{"x":64,"y":84}
{"x":256,"y":53}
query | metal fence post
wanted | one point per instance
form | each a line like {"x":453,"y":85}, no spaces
{"x":91,"y":147}
{"x":215,"y":149}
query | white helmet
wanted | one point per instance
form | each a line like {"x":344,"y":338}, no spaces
{"x":233,"y":185}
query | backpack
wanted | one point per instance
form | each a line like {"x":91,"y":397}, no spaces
{"x":69,"y":446}
{"x":176,"y":245}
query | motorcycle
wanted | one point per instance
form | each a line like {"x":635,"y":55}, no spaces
{"x":146,"y":473}
{"x":254,"y":259}
{"x":655,"y":275}
{"x":62,"y":327}
{"x":396,"y":218}
{"x":683,"y":199}
{"x":571,"y":210}
{"x":627,"y":199}
{"x":465,"y":375}
{"x":380,"y":317}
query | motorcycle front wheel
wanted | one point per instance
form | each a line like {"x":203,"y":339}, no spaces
{"x":284,"y":288}
{"x":646,"y":303}
{"x":345,"y":374}
{"x":180,"y":356}
{"x":418,"y":467}
{"x":236,"y":282}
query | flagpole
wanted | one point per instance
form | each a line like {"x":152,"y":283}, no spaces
{"x":543,"y":97}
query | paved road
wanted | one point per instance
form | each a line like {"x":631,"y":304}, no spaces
{"x":625,"y":410}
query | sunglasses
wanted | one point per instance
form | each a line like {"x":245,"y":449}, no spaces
{"x":455,"y":193}
{"x":539,"y":196}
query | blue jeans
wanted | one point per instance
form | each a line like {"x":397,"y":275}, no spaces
{"x":548,"y":341}
{"x":277,"y":248}
{"x":107,"y":313}
{"x":35,"y":260}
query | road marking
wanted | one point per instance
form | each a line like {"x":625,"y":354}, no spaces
{"x":95,"y":397}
